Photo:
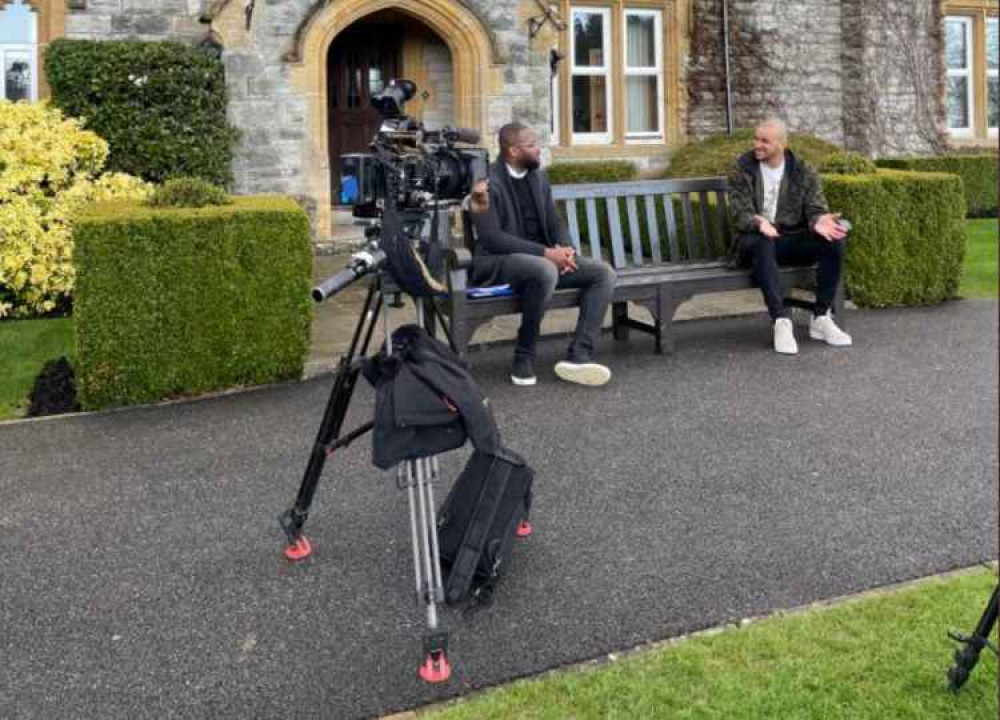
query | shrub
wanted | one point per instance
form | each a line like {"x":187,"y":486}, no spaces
{"x":49,"y":171}
{"x":978,"y":173}
{"x":176,"y":301}
{"x":908,"y":240}
{"x":715,"y":155}
{"x":571,"y":173}
{"x":188,"y":192}
{"x":846,"y":163}
{"x":161,"y":106}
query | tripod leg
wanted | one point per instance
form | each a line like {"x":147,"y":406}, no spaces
{"x":435,"y":667}
{"x":967,"y":656}
{"x":293,"y":519}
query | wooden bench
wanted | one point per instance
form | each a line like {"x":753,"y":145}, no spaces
{"x":687,"y":235}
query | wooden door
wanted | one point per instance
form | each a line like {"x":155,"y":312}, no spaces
{"x":360,"y":63}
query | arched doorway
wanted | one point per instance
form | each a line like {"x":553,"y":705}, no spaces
{"x":461,"y":32}
{"x":361,"y":61}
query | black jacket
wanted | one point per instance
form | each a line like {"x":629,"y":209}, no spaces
{"x":500,"y":232}
{"x":425,"y":401}
{"x":800,"y":199}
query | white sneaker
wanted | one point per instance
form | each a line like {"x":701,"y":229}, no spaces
{"x":585,"y":373}
{"x":784,"y":337}
{"x":824,"y":328}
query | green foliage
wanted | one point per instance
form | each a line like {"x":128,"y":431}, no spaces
{"x":846,"y":163}
{"x":714,"y":156}
{"x":572,"y":173}
{"x":908,"y":240}
{"x":49,"y":171}
{"x":179,"y":301}
{"x":978,"y":173}
{"x":188,"y":192}
{"x":161,"y":106}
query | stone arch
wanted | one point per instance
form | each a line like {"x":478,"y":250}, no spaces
{"x":473,"y":55}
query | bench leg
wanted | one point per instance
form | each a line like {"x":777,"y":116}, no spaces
{"x":667,"y":306}
{"x":619,"y":321}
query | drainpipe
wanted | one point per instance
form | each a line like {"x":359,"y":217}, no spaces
{"x":725,"y":53}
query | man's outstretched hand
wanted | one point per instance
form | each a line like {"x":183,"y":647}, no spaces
{"x":766,"y":228}
{"x":829,"y":227}
{"x":563,"y":257}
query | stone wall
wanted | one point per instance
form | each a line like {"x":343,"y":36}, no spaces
{"x":142,"y":19}
{"x":861,"y":73}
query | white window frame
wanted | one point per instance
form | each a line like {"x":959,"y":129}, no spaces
{"x":655,"y":136}
{"x":967,"y":73}
{"x":32,"y":52}
{"x":990,"y":73}
{"x":605,"y":71}
{"x":555,"y":103}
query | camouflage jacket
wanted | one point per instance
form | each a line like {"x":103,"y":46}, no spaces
{"x":800,"y":199}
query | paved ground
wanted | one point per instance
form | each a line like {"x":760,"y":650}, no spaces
{"x":142,"y":573}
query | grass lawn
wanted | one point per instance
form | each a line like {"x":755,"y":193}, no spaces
{"x":25,"y":346}
{"x":979,"y":274}
{"x":882,"y":656}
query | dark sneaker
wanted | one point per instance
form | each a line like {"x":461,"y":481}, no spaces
{"x":522,"y":373}
{"x":582,"y":372}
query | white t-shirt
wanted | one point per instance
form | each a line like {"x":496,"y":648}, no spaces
{"x":772,"y":187}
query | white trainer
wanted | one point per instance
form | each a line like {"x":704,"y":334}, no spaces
{"x":824,"y":328}
{"x":784,"y":337}
{"x":585,"y":373}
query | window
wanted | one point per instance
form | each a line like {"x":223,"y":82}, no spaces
{"x":971,"y":52}
{"x":590,"y":85}
{"x":643,"y":74}
{"x":958,"y":62}
{"x":18,"y":52}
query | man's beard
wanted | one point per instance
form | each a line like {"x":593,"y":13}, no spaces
{"x":530,"y":163}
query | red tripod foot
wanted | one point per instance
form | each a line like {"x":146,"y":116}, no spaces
{"x":435,"y":670}
{"x":524,"y":529}
{"x":300,"y":550}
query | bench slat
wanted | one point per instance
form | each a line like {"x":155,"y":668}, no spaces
{"x":668,"y":211}
{"x":654,"y":229}
{"x":634,"y":231}
{"x":708,"y":234}
{"x":689,"y":234}
{"x":617,"y":244}
{"x":573,"y":223}
{"x":722,"y":211}
{"x":593,"y":229}
{"x":637,"y":187}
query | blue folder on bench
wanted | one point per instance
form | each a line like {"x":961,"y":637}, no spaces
{"x":474,"y":293}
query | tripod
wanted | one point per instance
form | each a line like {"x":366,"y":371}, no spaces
{"x":966,"y":657}
{"x":416,"y":476}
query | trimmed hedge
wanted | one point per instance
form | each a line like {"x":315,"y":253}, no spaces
{"x":179,"y":301}
{"x":714,"y":156}
{"x":908,"y":240}
{"x":978,"y":173}
{"x":571,"y":173}
{"x":161,"y":106}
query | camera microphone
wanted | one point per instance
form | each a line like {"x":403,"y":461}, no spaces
{"x":469,"y":136}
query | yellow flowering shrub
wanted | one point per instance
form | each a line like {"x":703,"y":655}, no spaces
{"x":50,"y":169}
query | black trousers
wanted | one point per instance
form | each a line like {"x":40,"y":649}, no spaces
{"x":535,"y":279}
{"x":764,"y":256}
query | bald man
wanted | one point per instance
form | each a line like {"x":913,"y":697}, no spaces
{"x":782,"y":218}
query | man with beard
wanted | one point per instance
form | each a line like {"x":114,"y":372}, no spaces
{"x":781,"y":215}
{"x":522,"y":242}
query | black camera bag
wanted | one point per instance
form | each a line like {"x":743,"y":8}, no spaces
{"x":478,"y":521}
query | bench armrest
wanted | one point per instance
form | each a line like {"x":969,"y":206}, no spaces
{"x":458,"y":258}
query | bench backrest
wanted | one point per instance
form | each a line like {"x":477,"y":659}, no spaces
{"x":646,"y":222}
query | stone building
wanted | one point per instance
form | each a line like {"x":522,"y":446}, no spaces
{"x":627,"y":79}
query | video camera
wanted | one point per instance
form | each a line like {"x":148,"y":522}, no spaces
{"x":409,"y":175}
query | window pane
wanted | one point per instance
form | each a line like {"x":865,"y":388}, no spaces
{"x":992,"y":45}
{"x":590,"y":112}
{"x":18,"y":24}
{"x":958,"y":102}
{"x":588,"y":36}
{"x":991,"y":103}
{"x":17,"y":77}
{"x":642,"y":109}
{"x":955,"y":44}
{"x":641,"y":41}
